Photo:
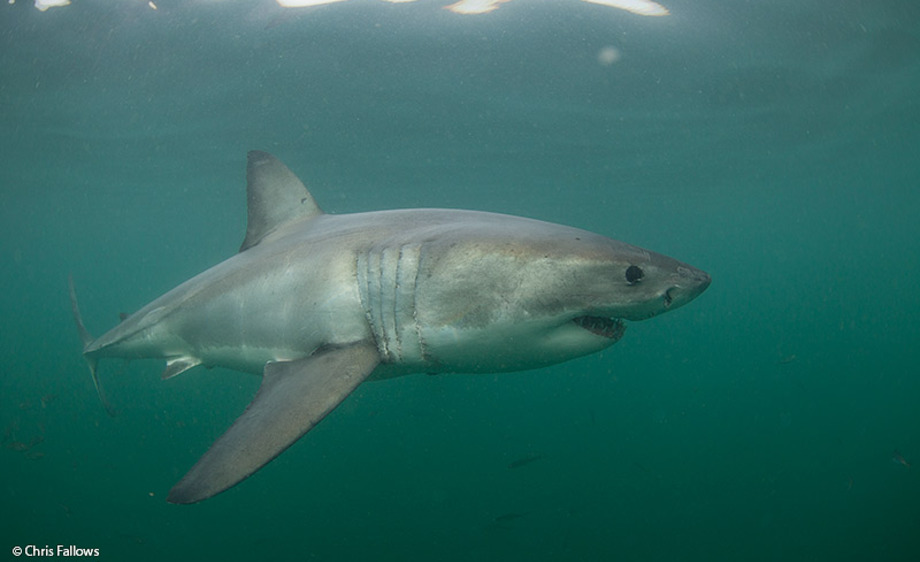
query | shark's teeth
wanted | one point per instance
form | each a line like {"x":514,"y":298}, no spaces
{"x":610,"y":328}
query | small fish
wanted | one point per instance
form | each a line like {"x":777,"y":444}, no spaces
{"x":642,"y":467}
{"x":505,"y":517}
{"x":17,"y":446}
{"x":896,"y":457}
{"x":21,"y":446}
{"x":524,"y":461}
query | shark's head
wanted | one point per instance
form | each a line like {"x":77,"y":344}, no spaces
{"x":541,"y":294}
{"x":620,"y":281}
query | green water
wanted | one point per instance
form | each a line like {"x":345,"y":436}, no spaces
{"x":772,"y":144}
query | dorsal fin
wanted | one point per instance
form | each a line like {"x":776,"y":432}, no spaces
{"x":275,"y":196}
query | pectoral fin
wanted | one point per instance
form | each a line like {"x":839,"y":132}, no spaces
{"x":294,"y":397}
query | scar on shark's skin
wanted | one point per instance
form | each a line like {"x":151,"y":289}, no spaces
{"x":319,"y":303}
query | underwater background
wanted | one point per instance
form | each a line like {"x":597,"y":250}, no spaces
{"x":772,"y":144}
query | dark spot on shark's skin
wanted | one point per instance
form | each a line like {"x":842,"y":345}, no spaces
{"x":634,"y":274}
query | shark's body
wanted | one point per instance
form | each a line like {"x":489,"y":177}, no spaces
{"x":319,"y":303}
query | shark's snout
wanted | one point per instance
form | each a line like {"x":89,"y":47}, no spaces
{"x":695,"y":277}
{"x":689,"y":283}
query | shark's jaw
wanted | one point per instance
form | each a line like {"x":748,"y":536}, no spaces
{"x":610,"y":328}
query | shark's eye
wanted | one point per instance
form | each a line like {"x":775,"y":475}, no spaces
{"x":634,"y":274}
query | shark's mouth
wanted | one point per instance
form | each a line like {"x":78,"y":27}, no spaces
{"x":610,"y":328}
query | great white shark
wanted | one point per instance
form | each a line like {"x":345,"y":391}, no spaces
{"x":318,"y":303}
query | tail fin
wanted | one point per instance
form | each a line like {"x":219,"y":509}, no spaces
{"x":87,"y":339}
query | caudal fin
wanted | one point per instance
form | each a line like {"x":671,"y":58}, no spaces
{"x":87,"y":339}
